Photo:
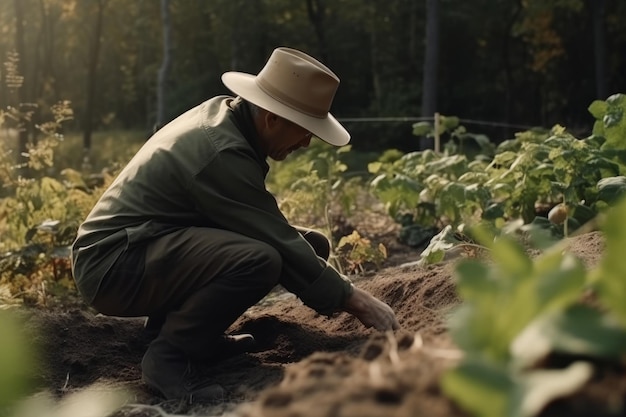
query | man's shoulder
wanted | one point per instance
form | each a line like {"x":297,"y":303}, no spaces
{"x":208,"y":125}
{"x":219,"y":125}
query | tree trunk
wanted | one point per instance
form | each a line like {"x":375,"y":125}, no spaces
{"x":508,"y":67}
{"x":23,"y":123}
{"x":429,"y":84}
{"x":599,"y":38}
{"x":165,"y":66}
{"x":50,"y":16}
{"x":92,"y":76}
{"x":414,"y":37}
{"x":376,"y":87}
{"x":316,"y":11}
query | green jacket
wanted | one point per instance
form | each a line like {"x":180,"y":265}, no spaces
{"x":200,"y":170}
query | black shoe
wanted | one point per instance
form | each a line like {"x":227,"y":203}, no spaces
{"x":168,"y":371}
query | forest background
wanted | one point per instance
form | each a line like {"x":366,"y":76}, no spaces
{"x":500,"y":65}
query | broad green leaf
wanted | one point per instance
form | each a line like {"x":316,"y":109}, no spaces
{"x":612,"y":285}
{"x":493,"y":211}
{"x":604,"y":166}
{"x":501,"y":191}
{"x":594,"y":141}
{"x":480,"y":388}
{"x":598,"y":108}
{"x":397,"y":191}
{"x":422,"y":129}
{"x":436,"y":182}
{"x":473,"y":280}
{"x":474,"y":177}
{"x":16,"y":361}
{"x":452,"y":165}
{"x":470,"y":327}
{"x":486,"y":390}
{"x":614,"y":122}
{"x":427,"y":155}
{"x":612,"y":119}
{"x":616,"y":100}
{"x":579,"y":330}
{"x":483,"y":141}
{"x":479,"y":165}
{"x":476,"y":195}
{"x":611,"y":189}
{"x":449,"y":122}
{"x":518,"y":161}
{"x":344,"y":149}
{"x":557,"y":130}
{"x":540,"y":231}
{"x":505,"y":158}
{"x":455,"y":191}
{"x":439,"y":244}
{"x":582,"y":213}
{"x":510,"y":257}
{"x":598,"y":130}
{"x":494,"y":309}
{"x":374,"y":167}
{"x":560,"y":278}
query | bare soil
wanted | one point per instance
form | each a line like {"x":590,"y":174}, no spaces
{"x":306,"y":364}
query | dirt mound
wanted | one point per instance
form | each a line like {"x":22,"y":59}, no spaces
{"x":306,"y":364}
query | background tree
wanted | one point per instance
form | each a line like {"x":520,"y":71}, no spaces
{"x":95,"y":41}
{"x":516,"y":62}
{"x":24,"y":105}
{"x":431,"y":58}
{"x":165,"y":65}
{"x":317,"y":12}
{"x":599,"y":46}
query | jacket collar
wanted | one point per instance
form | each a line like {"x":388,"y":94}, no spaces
{"x":245,"y":123}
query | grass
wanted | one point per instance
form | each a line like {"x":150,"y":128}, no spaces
{"x":109,"y":148}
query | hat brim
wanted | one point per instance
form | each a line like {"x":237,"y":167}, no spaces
{"x":328,"y":128}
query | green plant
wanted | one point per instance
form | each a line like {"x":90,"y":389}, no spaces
{"x":39,"y":213}
{"x":523,"y":179}
{"x":425,"y":191}
{"x":19,"y":360}
{"x":516,"y":311}
{"x":456,"y":138}
{"x":313,"y":188}
{"x":16,"y":362}
{"x":356,"y":252}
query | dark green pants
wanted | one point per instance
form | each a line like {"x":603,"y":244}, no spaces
{"x":200,"y":280}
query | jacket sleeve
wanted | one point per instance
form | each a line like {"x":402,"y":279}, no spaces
{"x":230,"y":191}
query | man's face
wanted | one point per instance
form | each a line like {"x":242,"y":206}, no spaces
{"x":285,"y":138}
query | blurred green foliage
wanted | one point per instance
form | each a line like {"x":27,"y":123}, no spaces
{"x":18,"y":363}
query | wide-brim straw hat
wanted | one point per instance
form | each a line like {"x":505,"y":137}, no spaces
{"x":297,"y":87}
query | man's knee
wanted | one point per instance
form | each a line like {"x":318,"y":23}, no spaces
{"x":318,"y":241}
{"x":266,"y":265}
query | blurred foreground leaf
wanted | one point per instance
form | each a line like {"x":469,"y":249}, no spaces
{"x":487,"y":390}
{"x":580,"y":330}
{"x":16,"y":361}
{"x":610,"y":275}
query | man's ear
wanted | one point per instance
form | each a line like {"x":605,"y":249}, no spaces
{"x":271,"y":120}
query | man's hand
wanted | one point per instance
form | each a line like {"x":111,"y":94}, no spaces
{"x":371,"y":311}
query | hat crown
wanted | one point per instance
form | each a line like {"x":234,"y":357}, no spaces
{"x":298,"y":81}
